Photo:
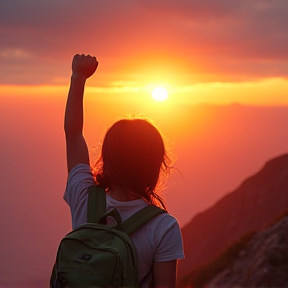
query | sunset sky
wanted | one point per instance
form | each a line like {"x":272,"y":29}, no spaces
{"x":223,"y":62}
{"x":219,"y":53}
{"x":203,"y":51}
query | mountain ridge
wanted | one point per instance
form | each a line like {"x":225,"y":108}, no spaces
{"x":257,"y":200}
{"x":262,"y":263}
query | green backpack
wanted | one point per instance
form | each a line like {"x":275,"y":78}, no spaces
{"x":96,"y":255}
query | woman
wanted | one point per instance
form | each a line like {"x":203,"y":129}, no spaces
{"x":129,"y":169}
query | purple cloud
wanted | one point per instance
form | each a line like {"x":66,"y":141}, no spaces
{"x":231,"y":40}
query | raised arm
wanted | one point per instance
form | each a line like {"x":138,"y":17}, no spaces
{"x":76,"y":148}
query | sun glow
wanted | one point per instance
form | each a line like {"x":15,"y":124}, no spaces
{"x":159,"y":94}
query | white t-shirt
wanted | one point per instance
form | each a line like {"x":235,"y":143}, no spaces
{"x":159,"y":240}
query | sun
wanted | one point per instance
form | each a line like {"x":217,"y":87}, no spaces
{"x":159,"y":93}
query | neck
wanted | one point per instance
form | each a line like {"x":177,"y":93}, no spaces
{"x":123,"y":195}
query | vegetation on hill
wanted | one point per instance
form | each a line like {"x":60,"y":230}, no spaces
{"x":277,"y":219}
{"x":198,"y":277}
{"x":202,"y":275}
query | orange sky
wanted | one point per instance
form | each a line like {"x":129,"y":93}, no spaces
{"x":209,"y":51}
{"x":204,"y":52}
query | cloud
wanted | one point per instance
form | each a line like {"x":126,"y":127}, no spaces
{"x":225,"y":40}
{"x":15,"y":53}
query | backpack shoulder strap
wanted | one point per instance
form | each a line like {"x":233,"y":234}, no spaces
{"x":140,"y":218}
{"x":96,"y":204}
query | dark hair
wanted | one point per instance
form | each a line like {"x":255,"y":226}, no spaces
{"x":134,"y":158}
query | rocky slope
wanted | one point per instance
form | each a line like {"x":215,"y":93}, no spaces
{"x":263,"y":262}
{"x":257,"y":201}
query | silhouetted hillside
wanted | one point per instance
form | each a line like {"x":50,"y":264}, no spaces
{"x":257,"y":259}
{"x":257,"y":201}
{"x":262,"y":263}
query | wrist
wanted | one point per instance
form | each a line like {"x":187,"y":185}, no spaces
{"x":78,"y":77}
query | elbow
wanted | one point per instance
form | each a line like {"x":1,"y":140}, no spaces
{"x":72,"y":132}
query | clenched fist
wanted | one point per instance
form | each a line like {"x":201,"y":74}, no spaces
{"x":83,"y":65}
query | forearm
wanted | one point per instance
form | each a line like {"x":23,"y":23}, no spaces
{"x":77,"y":151}
{"x":73,"y":123}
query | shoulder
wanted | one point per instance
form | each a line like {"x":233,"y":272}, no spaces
{"x":80,"y":171}
{"x":165,"y":222}
{"x":80,"y":174}
{"x":162,"y":226}
{"x":79,"y":179}
{"x":164,"y":235}
{"x":168,"y":239}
